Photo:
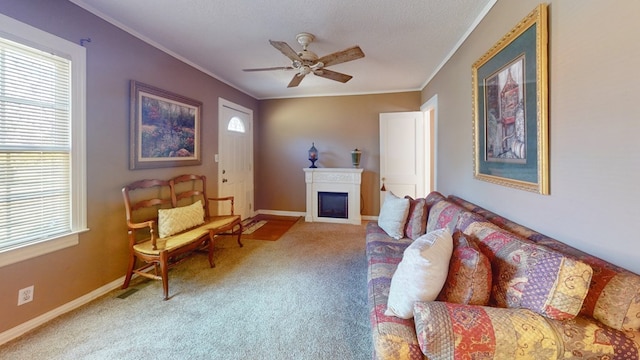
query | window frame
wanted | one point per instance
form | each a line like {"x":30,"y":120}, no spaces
{"x":28,"y":35}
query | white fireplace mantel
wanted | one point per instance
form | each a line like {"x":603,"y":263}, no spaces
{"x":341,"y":180}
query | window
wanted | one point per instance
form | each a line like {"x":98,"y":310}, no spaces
{"x":236,"y":124}
{"x":42,"y":142}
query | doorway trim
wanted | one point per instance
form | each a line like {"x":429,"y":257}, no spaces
{"x":430,"y":110}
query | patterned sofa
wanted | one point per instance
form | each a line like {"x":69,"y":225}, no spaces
{"x":545,"y":300}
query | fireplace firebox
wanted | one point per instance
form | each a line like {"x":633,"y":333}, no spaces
{"x":333,"y":204}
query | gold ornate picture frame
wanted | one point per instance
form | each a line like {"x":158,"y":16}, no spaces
{"x":510,"y":122}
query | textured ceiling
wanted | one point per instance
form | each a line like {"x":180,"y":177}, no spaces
{"x":405,"y":42}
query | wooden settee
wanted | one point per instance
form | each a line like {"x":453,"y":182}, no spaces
{"x":165,"y":221}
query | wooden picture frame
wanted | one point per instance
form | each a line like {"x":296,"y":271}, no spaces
{"x":165,"y":128}
{"x":510,"y":108}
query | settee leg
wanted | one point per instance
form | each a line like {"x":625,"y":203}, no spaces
{"x":211,"y":237}
{"x":164,"y":269}
{"x":239,"y":235}
{"x":127,"y":278}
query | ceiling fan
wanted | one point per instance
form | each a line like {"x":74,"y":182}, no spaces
{"x":307,"y":62}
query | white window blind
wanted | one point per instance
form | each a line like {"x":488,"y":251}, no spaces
{"x":35,"y":145}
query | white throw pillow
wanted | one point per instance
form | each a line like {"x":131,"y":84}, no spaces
{"x":172,"y":221}
{"x":421,"y":274}
{"x":393,"y":215}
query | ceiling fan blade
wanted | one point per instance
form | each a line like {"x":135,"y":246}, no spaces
{"x":333,"y":75}
{"x":270,"y":68}
{"x":297,"y":78}
{"x":286,"y":50}
{"x":339,"y":57}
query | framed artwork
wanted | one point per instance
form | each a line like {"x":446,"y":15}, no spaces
{"x":510,"y":108}
{"x":164,"y":128}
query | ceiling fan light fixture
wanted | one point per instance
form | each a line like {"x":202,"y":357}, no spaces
{"x":305,"y":70}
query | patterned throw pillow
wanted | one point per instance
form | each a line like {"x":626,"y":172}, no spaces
{"x":469,"y":279}
{"x":455,"y":331}
{"x":172,"y":221}
{"x":417,"y":219}
{"x":527,"y":275}
{"x":421,"y":273}
{"x":393,"y":215}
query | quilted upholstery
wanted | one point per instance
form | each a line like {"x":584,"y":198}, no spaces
{"x":614,"y":293}
{"x":172,"y":221}
{"x":542,"y":279}
{"x":417,"y":219}
{"x":469,"y":279}
{"x":455,"y":331}
{"x":393,"y":338}
{"x":529,"y":275}
{"x":586,"y":338}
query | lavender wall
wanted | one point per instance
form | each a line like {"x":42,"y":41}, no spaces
{"x":114,"y":57}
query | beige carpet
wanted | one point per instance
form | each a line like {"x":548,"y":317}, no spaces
{"x":301,"y":297}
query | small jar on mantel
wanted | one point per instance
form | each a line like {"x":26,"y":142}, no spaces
{"x":355,"y":157}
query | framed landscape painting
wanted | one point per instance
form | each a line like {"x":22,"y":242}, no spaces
{"x":510,"y":108}
{"x":164,"y":128}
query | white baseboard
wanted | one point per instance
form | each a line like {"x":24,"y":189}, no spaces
{"x":281,"y":213}
{"x":301,"y":213}
{"x":74,"y":304}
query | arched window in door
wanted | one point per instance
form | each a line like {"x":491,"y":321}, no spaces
{"x":236,"y":124}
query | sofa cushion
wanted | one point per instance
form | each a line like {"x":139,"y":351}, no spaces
{"x":456,"y":331}
{"x":172,"y":221}
{"x":417,"y":218}
{"x":586,"y":338}
{"x":443,"y":214}
{"x":393,"y":215}
{"x":393,"y":338}
{"x":614,"y":293}
{"x":421,"y":273}
{"x":469,"y":278}
{"x":529,"y":275}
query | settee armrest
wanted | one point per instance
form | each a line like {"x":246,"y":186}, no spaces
{"x":150,"y":224}
{"x":226,"y":198}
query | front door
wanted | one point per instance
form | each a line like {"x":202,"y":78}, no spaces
{"x":402,"y":154}
{"x":235,"y":159}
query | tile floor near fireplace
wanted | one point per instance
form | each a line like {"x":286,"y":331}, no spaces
{"x":333,"y":195}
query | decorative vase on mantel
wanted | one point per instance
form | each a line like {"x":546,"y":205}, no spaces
{"x":355,"y":158}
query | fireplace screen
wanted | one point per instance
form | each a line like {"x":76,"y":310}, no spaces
{"x":333,"y":205}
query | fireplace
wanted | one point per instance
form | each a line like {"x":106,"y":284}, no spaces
{"x":333,"y":195}
{"x":333,"y":205}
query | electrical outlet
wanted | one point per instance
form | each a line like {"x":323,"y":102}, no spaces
{"x":25,"y":295}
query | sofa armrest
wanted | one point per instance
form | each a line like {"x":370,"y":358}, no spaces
{"x":448,"y":330}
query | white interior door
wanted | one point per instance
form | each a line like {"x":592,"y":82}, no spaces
{"x":235,"y":158}
{"x":402,"y":154}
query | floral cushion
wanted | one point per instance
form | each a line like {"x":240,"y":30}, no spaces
{"x":528,"y":275}
{"x":585,"y":338}
{"x":454,"y":331}
{"x":614,"y":293}
{"x":443,"y":214}
{"x":417,"y":219}
{"x":469,"y":278}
